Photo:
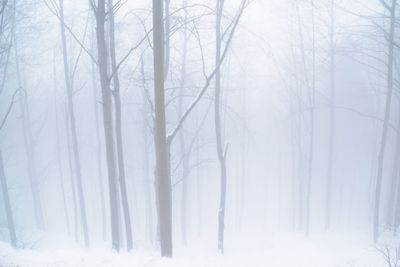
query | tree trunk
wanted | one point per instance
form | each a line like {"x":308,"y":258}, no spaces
{"x":99,"y":152}
{"x":100,"y":12}
{"x":217,"y":117}
{"x":185,"y":154}
{"x":331,"y":149}
{"x":7,"y":204}
{"x":311,"y":99}
{"x":118,"y":131}
{"x":59,"y":164}
{"x":386,"y":120}
{"x":162,"y":147}
{"x":149,"y":183}
{"x":391,"y":196}
{"x":75,"y":149}
{"x":71,"y":174}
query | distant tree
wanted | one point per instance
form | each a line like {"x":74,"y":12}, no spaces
{"x":118,"y":128}
{"x":390,"y":7}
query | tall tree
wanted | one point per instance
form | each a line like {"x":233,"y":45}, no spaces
{"x":73,"y":128}
{"x":59,"y":162}
{"x":98,"y":143}
{"x":161,"y":149}
{"x":162,"y":141}
{"x":331,"y":148}
{"x":182,"y":143}
{"x":221,"y":151}
{"x":118,"y":129}
{"x":311,"y":102}
{"x":391,"y":8}
{"x":102,"y":63}
{"x":7,"y":13}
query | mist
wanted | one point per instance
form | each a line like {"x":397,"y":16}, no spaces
{"x":199,"y":133}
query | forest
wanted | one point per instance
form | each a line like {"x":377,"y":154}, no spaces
{"x":200,"y":133}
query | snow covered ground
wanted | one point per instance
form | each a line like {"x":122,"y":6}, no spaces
{"x":282,"y":250}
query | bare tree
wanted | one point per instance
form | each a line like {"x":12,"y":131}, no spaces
{"x":221,"y":151}
{"x":391,"y":8}
{"x":118,"y":130}
{"x":98,"y":143}
{"x":163,"y":141}
{"x":99,"y":10}
{"x":183,"y":149}
{"x":73,"y":128}
{"x":7,"y":14}
{"x":331,"y":149}
{"x":162,"y":152}
{"x":59,"y":163}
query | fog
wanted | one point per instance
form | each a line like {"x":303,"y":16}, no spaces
{"x":215,"y":133}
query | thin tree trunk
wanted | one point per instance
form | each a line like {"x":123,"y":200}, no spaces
{"x":71,"y":175}
{"x":100,"y":12}
{"x":243,"y":161}
{"x":149,"y":183}
{"x":396,"y":206}
{"x":331,"y":149}
{"x":7,"y":204}
{"x":59,"y":164}
{"x":99,"y":152}
{"x":217,"y":117}
{"x":118,"y":130}
{"x":311,"y":98}
{"x":386,"y":120}
{"x":300,"y":164}
{"x":185,"y":155}
{"x":391,"y":196}
{"x":311,"y":93}
{"x":74,"y":135}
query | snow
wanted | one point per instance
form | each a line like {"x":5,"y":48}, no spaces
{"x":281,"y":250}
